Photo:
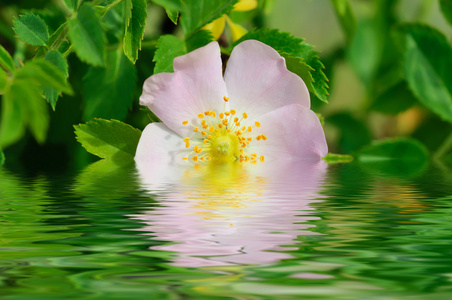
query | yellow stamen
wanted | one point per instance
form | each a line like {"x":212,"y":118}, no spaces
{"x":185,"y":122}
{"x":221,"y":115}
{"x":250,"y":129}
{"x":196,"y":129}
{"x":236,"y":120}
{"x":201,"y":116}
{"x":185,"y":158}
{"x":264,"y":137}
{"x":257,"y":124}
{"x":211,"y":128}
{"x":226,"y":99}
{"x":225,"y":122}
{"x":203,"y":133}
{"x":187,"y":140}
{"x":233,"y":112}
{"x":195,"y":158}
{"x":245,"y":115}
{"x":262,"y":158}
{"x":187,"y":145}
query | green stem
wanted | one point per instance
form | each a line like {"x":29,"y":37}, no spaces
{"x":444,"y":148}
{"x":108,"y":7}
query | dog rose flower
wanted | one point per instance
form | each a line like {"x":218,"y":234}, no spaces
{"x":259,"y":111}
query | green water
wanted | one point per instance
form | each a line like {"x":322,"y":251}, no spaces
{"x":293,"y":231}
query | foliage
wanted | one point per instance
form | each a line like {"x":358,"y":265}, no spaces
{"x":88,"y":60}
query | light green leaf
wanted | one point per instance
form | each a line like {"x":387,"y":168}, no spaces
{"x":427,"y":65}
{"x":109,"y":139}
{"x":87,"y":35}
{"x":6,"y":61}
{"x":446,"y":8}
{"x":394,"y":100}
{"x":135,"y":30}
{"x":31,"y":29}
{"x":23,"y":106}
{"x":57,"y":59}
{"x":168,"y":48}
{"x":108,"y":92}
{"x":172,"y":8}
{"x":404,"y":157}
{"x":294,"y":47}
{"x":72,"y":4}
{"x":198,"y":39}
{"x":195,"y":14}
{"x":332,"y":158}
{"x":346,"y":17}
{"x":44,"y":73}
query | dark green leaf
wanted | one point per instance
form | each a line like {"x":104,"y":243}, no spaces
{"x":109,"y":139}
{"x":31,"y":29}
{"x":427,"y":65}
{"x":23,"y":106}
{"x":72,"y":4}
{"x":294,"y":47}
{"x":87,"y":35}
{"x":353,"y":132}
{"x":57,"y":59}
{"x":332,"y":158}
{"x":168,"y":48}
{"x":6,"y":60}
{"x":446,"y":8}
{"x":405,"y":157}
{"x":44,"y":73}
{"x":195,"y":14}
{"x":2,"y":158}
{"x":135,"y":30}
{"x":346,"y":17}
{"x":198,"y":39}
{"x":108,"y":92}
{"x":394,"y":100}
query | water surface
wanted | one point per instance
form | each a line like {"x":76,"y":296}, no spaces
{"x":285,"y":231}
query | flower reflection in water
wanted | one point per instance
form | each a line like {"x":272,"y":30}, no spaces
{"x":233,"y":213}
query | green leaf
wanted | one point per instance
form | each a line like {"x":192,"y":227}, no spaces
{"x":346,"y":17}
{"x":294,"y":47}
{"x":6,"y":61}
{"x":427,"y":65}
{"x":44,"y":73}
{"x":168,"y":48}
{"x":31,"y":29}
{"x":405,"y":157}
{"x":3,"y":80}
{"x":135,"y":30}
{"x":57,"y":59}
{"x":108,"y":92}
{"x":332,"y":158}
{"x":195,"y":14}
{"x":72,"y":4}
{"x":172,"y":8}
{"x":394,"y":100}
{"x":407,"y":149}
{"x":446,"y":8}
{"x":198,"y":39}
{"x":87,"y":35}
{"x":23,"y":106}
{"x":2,"y":158}
{"x":109,"y":139}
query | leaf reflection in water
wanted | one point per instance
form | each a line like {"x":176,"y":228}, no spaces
{"x":231,"y":214}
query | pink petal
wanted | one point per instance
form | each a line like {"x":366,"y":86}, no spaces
{"x":195,"y":86}
{"x":258,"y":81}
{"x":292,"y":131}
{"x":159,"y":156}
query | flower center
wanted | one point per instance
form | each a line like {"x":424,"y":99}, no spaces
{"x":222,"y":137}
